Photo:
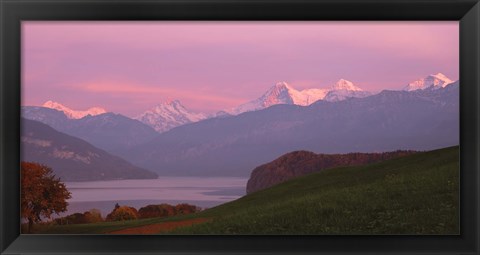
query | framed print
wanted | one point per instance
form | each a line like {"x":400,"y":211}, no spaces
{"x":239,"y":127}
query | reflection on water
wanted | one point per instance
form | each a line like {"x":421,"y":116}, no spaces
{"x":200,"y":191}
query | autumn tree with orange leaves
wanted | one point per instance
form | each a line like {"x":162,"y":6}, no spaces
{"x":42,"y":194}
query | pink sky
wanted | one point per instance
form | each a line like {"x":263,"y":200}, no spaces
{"x":128,"y":67}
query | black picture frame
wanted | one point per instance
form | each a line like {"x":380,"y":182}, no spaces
{"x":12,"y":12}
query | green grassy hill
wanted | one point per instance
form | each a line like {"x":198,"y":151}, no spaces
{"x":416,"y":194}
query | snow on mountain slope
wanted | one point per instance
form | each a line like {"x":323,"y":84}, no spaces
{"x":73,"y":114}
{"x":168,"y":115}
{"x":433,"y":81}
{"x":343,"y":84}
{"x":344,"y":89}
{"x":283,"y":93}
{"x":313,"y":95}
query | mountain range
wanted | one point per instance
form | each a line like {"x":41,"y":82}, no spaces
{"x":283,"y":93}
{"x":171,"y":140}
{"x":233,"y":146}
{"x":73,"y":159}
{"x":170,"y":114}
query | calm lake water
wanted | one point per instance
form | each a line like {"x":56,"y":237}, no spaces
{"x":205,"y":192}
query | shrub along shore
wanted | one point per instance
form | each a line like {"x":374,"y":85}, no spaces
{"x":123,"y":213}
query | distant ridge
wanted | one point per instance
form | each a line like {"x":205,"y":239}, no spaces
{"x":73,"y":159}
{"x":108,"y":131}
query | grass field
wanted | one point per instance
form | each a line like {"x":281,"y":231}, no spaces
{"x":417,"y":194}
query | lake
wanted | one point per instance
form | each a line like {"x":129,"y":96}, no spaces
{"x":205,"y":192}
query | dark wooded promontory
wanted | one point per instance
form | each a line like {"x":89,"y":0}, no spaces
{"x":299,"y":163}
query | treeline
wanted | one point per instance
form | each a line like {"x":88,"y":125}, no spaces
{"x":122,"y":213}
{"x":91,"y":216}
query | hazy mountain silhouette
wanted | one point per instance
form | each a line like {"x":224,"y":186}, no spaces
{"x":108,"y":131}
{"x":73,"y":159}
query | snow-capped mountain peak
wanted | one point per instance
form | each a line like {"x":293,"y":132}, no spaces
{"x":280,"y":93}
{"x":343,"y":84}
{"x":73,"y":114}
{"x":169,"y":114}
{"x":433,"y":81}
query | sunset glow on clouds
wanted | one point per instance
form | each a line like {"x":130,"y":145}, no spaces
{"x":128,"y":67}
